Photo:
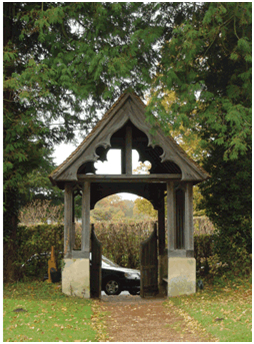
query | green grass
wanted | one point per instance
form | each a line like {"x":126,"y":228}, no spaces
{"x":51,"y":316}
{"x":224,"y":310}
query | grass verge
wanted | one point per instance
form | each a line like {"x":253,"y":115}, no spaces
{"x":224,"y":310}
{"x":44,"y":314}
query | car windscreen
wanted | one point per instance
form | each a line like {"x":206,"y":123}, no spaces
{"x":108,"y":262}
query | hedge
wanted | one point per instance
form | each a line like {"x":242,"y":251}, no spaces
{"x":37,"y":240}
{"x":120,"y":241}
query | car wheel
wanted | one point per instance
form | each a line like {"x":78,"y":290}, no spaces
{"x":112,"y":287}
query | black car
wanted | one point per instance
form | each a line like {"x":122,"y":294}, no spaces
{"x":115,"y":278}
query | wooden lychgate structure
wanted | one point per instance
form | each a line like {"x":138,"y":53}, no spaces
{"x":172,"y":173}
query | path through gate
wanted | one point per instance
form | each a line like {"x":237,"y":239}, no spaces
{"x":95,"y":266}
{"x":149,"y":265}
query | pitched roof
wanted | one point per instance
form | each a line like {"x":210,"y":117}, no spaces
{"x":117,"y":115}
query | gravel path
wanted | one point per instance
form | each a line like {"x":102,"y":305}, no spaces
{"x":133,"y":319}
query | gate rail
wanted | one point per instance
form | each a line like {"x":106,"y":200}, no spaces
{"x":149,"y":265}
{"x":95,"y":266}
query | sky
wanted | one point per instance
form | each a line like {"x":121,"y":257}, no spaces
{"x":111,"y":166}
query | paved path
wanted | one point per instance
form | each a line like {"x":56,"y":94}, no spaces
{"x":133,"y":319}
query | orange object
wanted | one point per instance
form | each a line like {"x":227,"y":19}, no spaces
{"x":51,"y":263}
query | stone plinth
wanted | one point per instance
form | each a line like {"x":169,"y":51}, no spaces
{"x":181,"y":276}
{"x":76,"y":277}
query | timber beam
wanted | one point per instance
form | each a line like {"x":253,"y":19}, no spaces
{"x":149,"y":178}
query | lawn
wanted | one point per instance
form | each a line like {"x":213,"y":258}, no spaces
{"x":224,"y":310}
{"x":44,"y":314}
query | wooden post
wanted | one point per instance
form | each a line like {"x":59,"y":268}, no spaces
{"x":128,"y":150}
{"x":123,"y":161}
{"x":162,"y":263}
{"x":188,"y":228}
{"x":73,"y":222}
{"x":85,"y":239}
{"x":171,"y":216}
{"x":161,"y":225}
{"x":68,"y":211}
{"x":179,"y":216}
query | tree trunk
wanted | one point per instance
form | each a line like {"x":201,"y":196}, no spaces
{"x":10,"y":235}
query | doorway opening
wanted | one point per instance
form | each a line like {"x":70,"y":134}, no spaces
{"x":121,"y":238}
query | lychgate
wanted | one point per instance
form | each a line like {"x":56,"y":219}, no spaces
{"x":172,"y":174}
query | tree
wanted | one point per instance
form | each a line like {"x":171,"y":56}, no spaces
{"x":37,"y":186}
{"x":65,"y":60}
{"x":190,"y":141}
{"x":207,"y":64}
{"x":30,"y":103}
{"x":61,"y":62}
{"x":227,"y":200}
{"x":144,"y":208}
{"x":112,"y":208}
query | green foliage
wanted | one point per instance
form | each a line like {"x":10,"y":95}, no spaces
{"x":37,"y":186}
{"x":228,"y":203}
{"x":207,"y":64}
{"x":203,"y":250}
{"x":197,"y":200}
{"x":61,"y":62}
{"x":217,"y":254}
{"x":37,"y":240}
{"x":199,"y":58}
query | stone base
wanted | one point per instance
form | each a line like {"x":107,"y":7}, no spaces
{"x":76,"y":277}
{"x":181,"y":276}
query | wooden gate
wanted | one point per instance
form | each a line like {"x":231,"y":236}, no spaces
{"x":95,"y":266}
{"x":149,"y":265}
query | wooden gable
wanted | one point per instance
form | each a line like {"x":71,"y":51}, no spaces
{"x":167,"y":157}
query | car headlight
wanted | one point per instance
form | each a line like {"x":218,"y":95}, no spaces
{"x":132,"y":275}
